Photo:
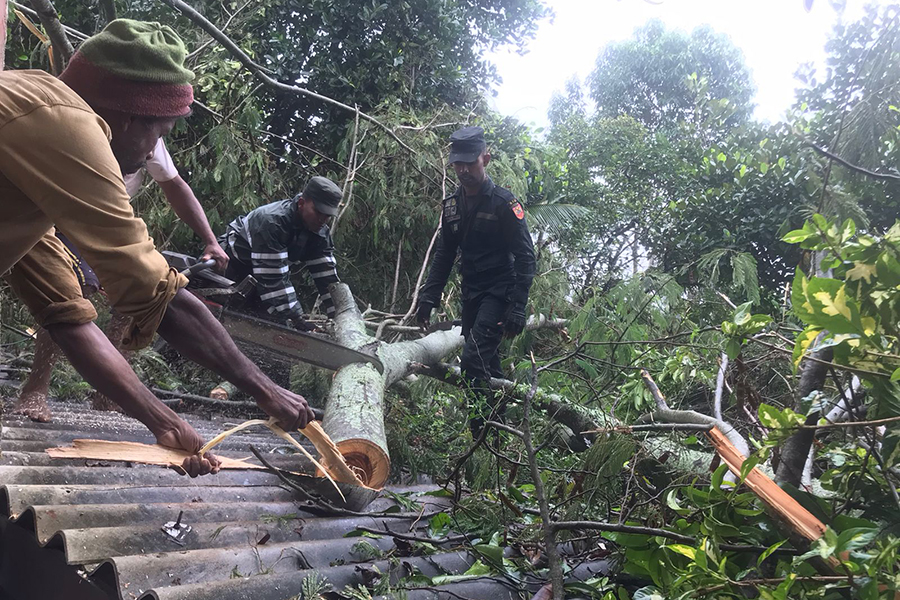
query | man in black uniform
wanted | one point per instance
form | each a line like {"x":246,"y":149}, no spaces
{"x":271,"y":238}
{"x":486,"y":224}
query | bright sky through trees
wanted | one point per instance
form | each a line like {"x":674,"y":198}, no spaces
{"x":776,"y":37}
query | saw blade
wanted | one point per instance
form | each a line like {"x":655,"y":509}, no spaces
{"x":307,"y":347}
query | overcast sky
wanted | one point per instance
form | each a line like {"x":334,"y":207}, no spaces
{"x":776,"y":36}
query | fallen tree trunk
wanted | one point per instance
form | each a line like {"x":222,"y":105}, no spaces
{"x":553,"y":404}
{"x":354,"y":411}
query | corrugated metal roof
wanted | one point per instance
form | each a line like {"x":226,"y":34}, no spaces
{"x":250,"y":536}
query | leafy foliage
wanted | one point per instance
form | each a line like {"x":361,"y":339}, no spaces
{"x":652,"y":194}
{"x":646,"y":77}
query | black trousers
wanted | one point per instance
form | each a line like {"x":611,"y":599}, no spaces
{"x":482,"y":316}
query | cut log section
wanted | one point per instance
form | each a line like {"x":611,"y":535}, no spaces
{"x":354,"y":416}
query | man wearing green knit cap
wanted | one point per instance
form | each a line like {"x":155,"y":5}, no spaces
{"x":64,"y":146}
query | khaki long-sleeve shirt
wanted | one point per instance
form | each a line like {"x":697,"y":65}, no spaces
{"x":57,"y":169}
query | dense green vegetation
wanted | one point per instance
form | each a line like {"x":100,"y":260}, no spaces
{"x":674,"y":231}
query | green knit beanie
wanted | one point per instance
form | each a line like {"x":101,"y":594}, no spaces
{"x":133,"y":67}
{"x":139,"y":51}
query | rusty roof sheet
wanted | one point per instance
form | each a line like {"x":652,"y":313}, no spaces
{"x":250,"y":536}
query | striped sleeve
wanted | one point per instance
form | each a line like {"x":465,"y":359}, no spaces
{"x":272,"y":271}
{"x":323,"y":269}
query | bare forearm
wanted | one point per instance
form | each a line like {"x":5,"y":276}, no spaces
{"x":195,"y":333}
{"x":102,"y":366}
{"x":185,"y":204}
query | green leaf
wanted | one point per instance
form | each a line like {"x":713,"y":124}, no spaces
{"x":895,"y":376}
{"x":478,"y":569}
{"x":360,"y":533}
{"x":515,"y":493}
{"x":440,"y":524}
{"x":733,"y":348}
{"x":804,"y":339}
{"x":493,"y":554}
{"x":748,"y":466}
{"x":688,"y":551}
{"x":742,"y":313}
{"x":887,"y":269}
{"x":763,"y":167}
{"x":756,"y":324}
{"x":821,"y":222}
{"x":772,"y":418}
{"x":853,"y":539}
{"x":440,"y":493}
{"x":848,"y":230}
{"x":718,"y":476}
{"x":768,"y":552}
{"x":832,"y":308}
{"x":797,"y":235}
{"x":648,"y":593}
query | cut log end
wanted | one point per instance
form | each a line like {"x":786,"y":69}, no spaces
{"x":367,"y":460}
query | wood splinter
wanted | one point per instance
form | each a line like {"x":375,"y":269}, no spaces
{"x":333,"y":466}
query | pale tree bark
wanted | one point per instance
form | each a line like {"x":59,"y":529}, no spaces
{"x":664,"y":414}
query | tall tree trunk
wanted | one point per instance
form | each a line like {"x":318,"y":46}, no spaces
{"x":107,"y":11}
{"x":795,"y":451}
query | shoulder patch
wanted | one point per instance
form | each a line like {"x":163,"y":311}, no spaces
{"x":517,"y":209}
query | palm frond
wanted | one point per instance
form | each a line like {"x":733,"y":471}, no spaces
{"x":556,"y":216}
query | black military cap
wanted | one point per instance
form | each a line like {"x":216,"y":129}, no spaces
{"x":324,"y":193}
{"x":466,"y":144}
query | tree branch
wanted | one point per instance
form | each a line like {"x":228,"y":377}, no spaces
{"x":62,"y":47}
{"x":260,"y":72}
{"x":662,"y":427}
{"x":667,"y":415}
{"x":555,"y":563}
{"x":556,"y":406}
{"x":434,"y":237}
{"x":3,"y":13}
{"x":849,"y":165}
{"x":235,"y":406}
{"x":720,"y":386}
{"x":663,"y":533}
{"x":108,"y":10}
{"x":450,"y":539}
{"x":347,"y":192}
{"x":78,"y":35}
